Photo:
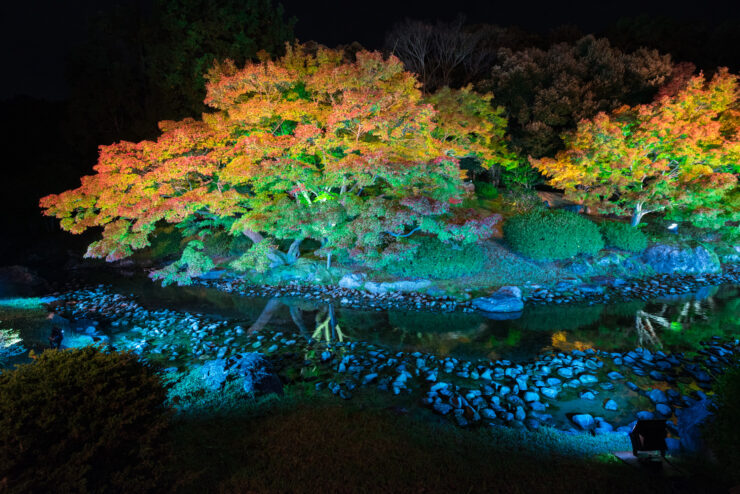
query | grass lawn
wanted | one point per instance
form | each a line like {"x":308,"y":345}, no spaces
{"x":321,"y":445}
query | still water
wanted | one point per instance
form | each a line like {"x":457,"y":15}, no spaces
{"x":670,"y":324}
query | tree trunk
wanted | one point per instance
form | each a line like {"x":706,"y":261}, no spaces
{"x":294,"y":252}
{"x":637,"y":214}
{"x":276,"y":257}
{"x":273,"y":305}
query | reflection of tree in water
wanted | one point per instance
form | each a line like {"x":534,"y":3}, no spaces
{"x":648,"y":324}
{"x":443,"y":331}
{"x":326,"y":327}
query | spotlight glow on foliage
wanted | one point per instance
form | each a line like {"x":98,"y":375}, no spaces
{"x":307,"y":146}
{"x":680,"y":154}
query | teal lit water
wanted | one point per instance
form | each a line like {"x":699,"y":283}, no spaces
{"x":670,"y":324}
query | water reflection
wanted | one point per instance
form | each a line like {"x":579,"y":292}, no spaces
{"x":326,"y":329}
{"x":678,"y":324}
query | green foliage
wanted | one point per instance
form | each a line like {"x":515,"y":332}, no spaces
{"x":549,"y":234}
{"x":166,"y":244}
{"x":84,"y":420}
{"x":485,"y":190}
{"x":194,"y":262}
{"x":724,"y":434}
{"x":623,"y":236}
{"x":255,"y":258}
{"x":521,"y":176}
{"x":222,"y":244}
{"x":434,"y":259}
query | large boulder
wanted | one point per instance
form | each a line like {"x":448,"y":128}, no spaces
{"x":397,"y":286}
{"x":505,"y":299}
{"x":673,"y":259}
{"x":352,"y":281}
{"x":690,"y":423}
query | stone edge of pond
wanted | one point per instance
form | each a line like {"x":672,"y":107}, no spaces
{"x":569,"y":290}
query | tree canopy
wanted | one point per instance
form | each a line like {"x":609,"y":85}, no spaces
{"x":309,"y":145}
{"x":680,"y":154}
{"x":547,"y":92}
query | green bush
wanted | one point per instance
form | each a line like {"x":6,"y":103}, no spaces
{"x":724,"y":433}
{"x":485,"y":190}
{"x":435,"y":259}
{"x":552,"y":234}
{"x":85,"y":420}
{"x":623,"y":236}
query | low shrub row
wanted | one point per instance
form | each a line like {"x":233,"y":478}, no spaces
{"x":558,"y":234}
{"x":435,"y":259}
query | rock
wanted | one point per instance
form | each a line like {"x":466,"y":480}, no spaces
{"x":397,"y":286}
{"x":214,"y":274}
{"x":442,"y":408}
{"x":664,"y":409}
{"x":690,"y":423}
{"x":587,"y":395}
{"x":551,"y":393}
{"x":657,"y":396}
{"x":505,"y":299}
{"x":614,"y":375}
{"x":673,"y":259}
{"x":214,"y":374}
{"x":583,"y":420}
{"x":530,"y":396}
{"x":352,"y":281}
{"x":565,"y":372}
{"x":588,"y":379}
{"x":610,"y":405}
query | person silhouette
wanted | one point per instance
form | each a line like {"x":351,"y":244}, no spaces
{"x":57,"y":335}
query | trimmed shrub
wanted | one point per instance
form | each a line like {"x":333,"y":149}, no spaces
{"x":552,"y":234}
{"x":435,"y":259}
{"x":723,"y":431}
{"x":485,"y":190}
{"x":85,"y":420}
{"x":623,"y":236}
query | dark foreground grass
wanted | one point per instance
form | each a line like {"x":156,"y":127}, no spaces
{"x":326,"y":447}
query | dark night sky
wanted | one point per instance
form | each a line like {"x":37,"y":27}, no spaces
{"x":37,"y":34}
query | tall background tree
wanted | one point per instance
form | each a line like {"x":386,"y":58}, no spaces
{"x":143,"y":63}
{"x":547,"y":92}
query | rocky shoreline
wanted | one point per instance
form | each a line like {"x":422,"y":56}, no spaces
{"x":581,"y":391}
{"x":571,"y":290}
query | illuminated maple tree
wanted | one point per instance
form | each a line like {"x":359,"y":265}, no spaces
{"x":306,"y":146}
{"x":680,"y":154}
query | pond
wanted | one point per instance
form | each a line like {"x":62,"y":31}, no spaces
{"x":673,"y":324}
{"x":545,"y":367}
